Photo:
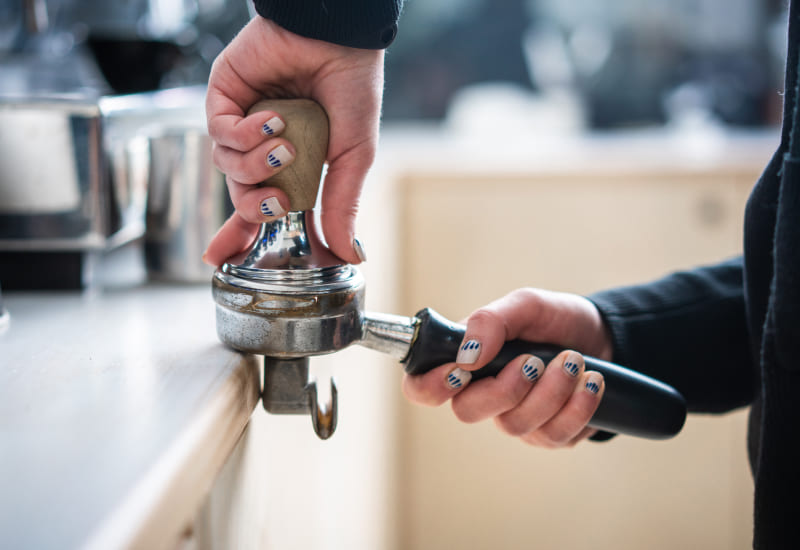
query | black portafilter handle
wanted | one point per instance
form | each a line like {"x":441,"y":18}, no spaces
{"x":632,"y":404}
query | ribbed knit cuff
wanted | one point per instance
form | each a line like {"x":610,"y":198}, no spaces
{"x":607,"y":302}
{"x":366,"y":24}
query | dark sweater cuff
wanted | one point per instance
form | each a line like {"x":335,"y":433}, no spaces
{"x":366,"y":24}
{"x":688,"y":330}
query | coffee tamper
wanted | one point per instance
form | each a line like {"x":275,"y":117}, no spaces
{"x":289,"y":297}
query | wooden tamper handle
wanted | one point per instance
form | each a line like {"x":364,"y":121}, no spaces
{"x":306,"y":129}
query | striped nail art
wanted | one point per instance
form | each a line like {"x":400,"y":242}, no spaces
{"x":359,"y":249}
{"x":469,"y":352}
{"x":280,"y":156}
{"x":572,"y":364}
{"x":273,"y":126}
{"x":272,"y":208}
{"x":593,"y":382}
{"x":532,"y":369}
{"x":458,"y":378}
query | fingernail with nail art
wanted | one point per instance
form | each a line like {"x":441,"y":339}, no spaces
{"x":572,"y":364}
{"x":280,"y":156}
{"x":272,"y":208}
{"x":458,"y":378}
{"x":359,"y":249}
{"x":593,"y":383}
{"x":468,"y":352}
{"x":532,"y":369}
{"x":273,"y":126}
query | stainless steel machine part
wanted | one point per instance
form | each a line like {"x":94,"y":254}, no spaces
{"x":89,"y":194}
{"x":186,"y":203}
{"x":63,"y":203}
{"x":390,"y":334}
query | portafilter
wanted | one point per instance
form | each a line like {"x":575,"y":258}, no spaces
{"x":289,"y":297}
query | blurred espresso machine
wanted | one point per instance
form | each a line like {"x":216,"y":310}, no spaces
{"x":87,"y":88}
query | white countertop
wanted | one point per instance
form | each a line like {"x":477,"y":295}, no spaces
{"x":117,"y":410}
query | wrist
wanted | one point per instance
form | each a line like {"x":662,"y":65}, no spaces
{"x":602,"y":346}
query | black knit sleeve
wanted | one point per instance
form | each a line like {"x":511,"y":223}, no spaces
{"x":368,"y":24}
{"x":688,"y":330}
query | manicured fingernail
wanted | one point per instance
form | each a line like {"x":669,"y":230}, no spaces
{"x":458,"y":378}
{"x":272,"y":208}
{"x":280,"y":156}
{"x":359,"y":250}
{"x":572,"y":363}
{"x":593,"y":382}
{"x":468,"y":352}
{"x":273,"y":126}
{"x":532,"y":368}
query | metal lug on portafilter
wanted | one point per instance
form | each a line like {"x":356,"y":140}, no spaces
{"x":289,"y":297}
{"x":287,"y":390}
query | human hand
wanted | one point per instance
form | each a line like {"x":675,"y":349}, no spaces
{"x":267,"y":61}
{"x":548,"y":406}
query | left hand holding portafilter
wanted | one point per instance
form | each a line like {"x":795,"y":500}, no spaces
{"x":289,"y":297}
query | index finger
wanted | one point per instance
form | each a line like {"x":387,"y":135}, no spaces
{"x":227,"y":100}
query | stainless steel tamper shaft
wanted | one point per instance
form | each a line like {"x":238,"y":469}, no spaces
{"x":289,"y":298}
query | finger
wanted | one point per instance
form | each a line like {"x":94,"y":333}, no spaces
{"x":235,"y":235}
{"x":435,"y":386}
{"x":257,"y":204}
{"x":546,"y":398}
{"x":256,"y":165}
{"x":563,"y":319}
{"x":227,"y":99}
{"x":491,"y":396}
{"x":572,"y":419}
{"x":340,"y":199}
{"x":244,"y":133}
{"x":484,"y":336}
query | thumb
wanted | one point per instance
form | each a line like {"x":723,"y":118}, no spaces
{"x":340,"y":200}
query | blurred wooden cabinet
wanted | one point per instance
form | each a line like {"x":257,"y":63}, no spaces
{"x":468,"y":236}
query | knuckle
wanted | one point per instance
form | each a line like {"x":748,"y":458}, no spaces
{"x":422,"y":394}
{"x":485,"y":317}
{"x":511,"y":425}
{"x":218,"y":156}
{"x":215,"y":128}
{"x":464,"y":414}
{"x":504,"y":399}
{"x":555,"y":436}
{"x":526,"y":295}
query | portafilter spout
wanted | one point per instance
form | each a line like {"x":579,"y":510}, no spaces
{"x":289,"y":298}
